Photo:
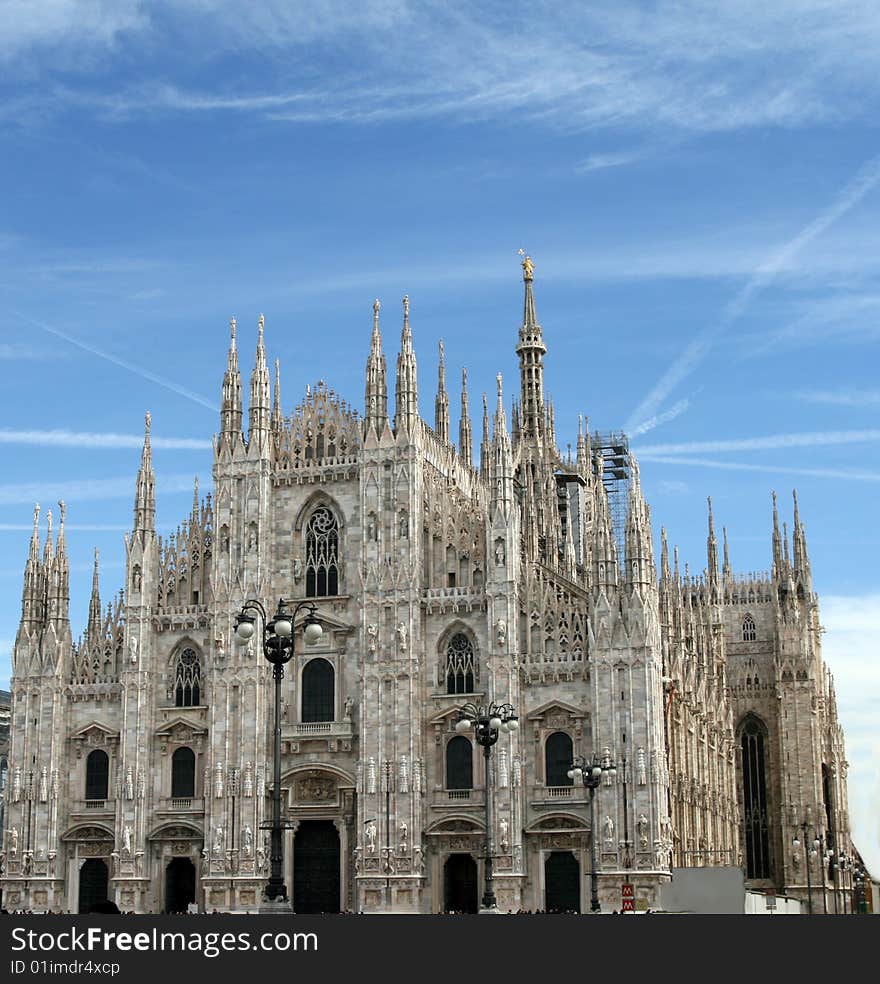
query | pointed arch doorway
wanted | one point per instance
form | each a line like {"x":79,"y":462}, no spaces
{"x":562,"y":882}
{"x":316,"y":867}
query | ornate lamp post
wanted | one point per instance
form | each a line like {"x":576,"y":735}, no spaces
{"x":589,"y":772}
{"x":278,"y":644}
{"x":859,"y":895}
{"x":488,"y":722}
{"x":809,"y":855}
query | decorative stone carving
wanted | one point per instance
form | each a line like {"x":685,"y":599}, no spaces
{"x":218,"y":780}
{"x":403,"y":775}
{"x":642,"y":828}
{"x":248,"y":781}
{"x":608,"y":828}
{"x":44,"y":784}
{"x":370,"y":835}
{"x":315,"y":788}
{"x":371,"y":775}
{"x":641,"y":772}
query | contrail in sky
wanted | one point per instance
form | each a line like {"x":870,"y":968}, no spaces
{"x":137,"y":370}
{"x":807,"y":439}
{"x":695,"y":352}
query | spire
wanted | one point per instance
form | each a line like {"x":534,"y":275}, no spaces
{"x":194,"y":516}
{"x":501,"y":467}
{"x":32,"y":596}
{"x":727,"y":571}
{"x":58,"y":573}
{"x":799,"y":542}
{"x":465,"y":438}
{"x":712,"y":548}
{"x":664,"y":556}
{"x":531,"y":349}
{"x":93,"y":629}
{"x":48,"y":549}
{"x":485,"y":443}
{"x":638,"y":541}
{"x":777,"y":541}
{"x":376,"y":398}
{"x":441,"y":403}
{"x":277,"y":419}
{"x":407,"y":390}
{"x":145,"y":494}
{"x":230,"y":412}
{"x":259,"y":404}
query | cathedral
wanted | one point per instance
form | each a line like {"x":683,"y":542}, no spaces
{"x":140,"y":765}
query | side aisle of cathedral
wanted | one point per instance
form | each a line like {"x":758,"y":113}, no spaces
{"x":141,"y":754}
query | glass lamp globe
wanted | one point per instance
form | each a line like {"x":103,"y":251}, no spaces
{"x":512,"y":724}
{"x":463,"y":725}
{"x":244,"y":630}
{"x":495,"y":723}
{"x":570,"y":773}
{"x":312,"y":633}
{"x":283,"y":628}
{"x":596,"y":772}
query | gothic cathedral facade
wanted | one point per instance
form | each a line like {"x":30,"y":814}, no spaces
{"x":140,"y":766}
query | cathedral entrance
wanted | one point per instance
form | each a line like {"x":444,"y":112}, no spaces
{"x":562,"y":882}
{"x":93,"y":882}
{"x":180,"y":884}
{"x":460,"y":884}
{"x":316,"y":874}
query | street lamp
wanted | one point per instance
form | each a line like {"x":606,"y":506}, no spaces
{"x":278,"y":644}
{"x":859,"y":895}
{"x":589,"y":772}
{"x":809,"y":855}
{"x":488,"y":721}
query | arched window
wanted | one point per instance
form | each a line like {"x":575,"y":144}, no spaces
{"x":756,"y":813}
{"x":188,"y":679}
{"x":459,"y":763}
{"x":318,"y":691}
{"x":183,"y":773}
{"x":322,"y":554}
{"x":750,"y":631}
{"x":558,"y":756}
{"x":97,"y":775}
{"x":460,"y":665}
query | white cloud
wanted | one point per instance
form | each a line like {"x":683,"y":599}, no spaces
{"x":662,"y":418}
{"x":689,"y":66}
{"x":106,"y":441}
{"x":768,"y":443}
{"x":81,"y":490}
{"x":599,"y":162}
{"x":841,"y":398}
{"x":765,"y":274}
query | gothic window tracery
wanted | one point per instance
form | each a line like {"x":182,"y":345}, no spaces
{"x":322,"y":554}
{"x":460,"y":665}
{"x":187,"y":679}
{"x":749,"y":629}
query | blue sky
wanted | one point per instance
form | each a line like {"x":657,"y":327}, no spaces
{"x":699,"y":190}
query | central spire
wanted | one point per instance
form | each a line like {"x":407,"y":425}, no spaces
{"x":376,"y":398}
{"x":531,"y":349}
{"x":407,"y":391}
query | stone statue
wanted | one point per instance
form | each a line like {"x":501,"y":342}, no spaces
{"x":248,"y":841}
{"x":248,"y":781}
{"x":126,"y":840}
{"x":297,"y":570}
{"x":505,"y":829}
{"x":133,"y":649}
{"x":641,"y":772}
{"x":370,"y":834}
{"x":609,"y":830}
{"x":13,"y":841}
{"x":501,"y":632}
{"x":404,"y":834}
{"x":347,"y":708}
{"x":372,"y":635}
{"x":218,"y":842}
{"x":499,"y":553}
{"x":401,"y":636}
{"x":642,"y":828}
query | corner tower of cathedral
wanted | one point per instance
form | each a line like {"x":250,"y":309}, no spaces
{"x":140,"y":760}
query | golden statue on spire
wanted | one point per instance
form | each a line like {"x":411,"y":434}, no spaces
{"x":528,"y":266}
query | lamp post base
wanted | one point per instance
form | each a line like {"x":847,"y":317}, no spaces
{"x":490,"y":911}
{"x":275,"y":907}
